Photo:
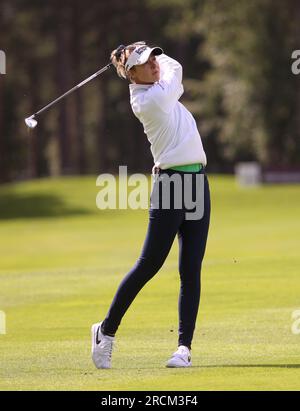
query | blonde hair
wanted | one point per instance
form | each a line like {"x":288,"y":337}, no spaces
{"x":119,"y":57}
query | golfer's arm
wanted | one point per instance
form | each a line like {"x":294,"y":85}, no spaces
{"x":170,"y":70}
{"x":169,"y":88}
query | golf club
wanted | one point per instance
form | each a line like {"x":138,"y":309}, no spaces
{"x":31,"y":122}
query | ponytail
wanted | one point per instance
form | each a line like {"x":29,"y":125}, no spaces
{"x":119,"y":57}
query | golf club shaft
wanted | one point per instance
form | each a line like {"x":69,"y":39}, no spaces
{"x":73,"y":89}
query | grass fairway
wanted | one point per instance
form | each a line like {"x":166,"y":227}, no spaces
{"x":61,"y":260}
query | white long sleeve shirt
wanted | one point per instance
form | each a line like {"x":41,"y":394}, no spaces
{"x":170,"y":127}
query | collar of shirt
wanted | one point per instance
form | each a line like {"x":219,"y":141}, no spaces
{"x":133,"y":87}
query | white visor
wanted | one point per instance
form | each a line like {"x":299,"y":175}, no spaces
{"x":140,"y":56}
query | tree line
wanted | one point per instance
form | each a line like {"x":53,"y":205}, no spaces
{"x":238,"y":82}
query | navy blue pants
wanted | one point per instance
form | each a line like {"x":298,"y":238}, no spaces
{"x":163,"y":226}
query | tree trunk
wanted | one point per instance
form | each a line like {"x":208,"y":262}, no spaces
{"x":3,"y":171}
{"x":63,"y":76}
{"x":78,"y":115}
{"x":102,"y":142}
{"x":37,"y":162}
{"x":297,"y":47}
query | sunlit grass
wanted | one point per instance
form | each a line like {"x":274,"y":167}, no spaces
{"x":61,"y":260}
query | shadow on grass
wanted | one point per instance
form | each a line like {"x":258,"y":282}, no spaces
{"x":13,"y":205}
{"x":225,"y":366}
{"x":250,"y":366}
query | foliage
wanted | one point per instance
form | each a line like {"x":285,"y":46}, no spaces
{"x":237,"y":77}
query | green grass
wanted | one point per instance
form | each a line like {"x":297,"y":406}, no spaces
{"x":61,"y":260}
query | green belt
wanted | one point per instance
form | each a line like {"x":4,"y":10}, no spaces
{"x":188,"y":167}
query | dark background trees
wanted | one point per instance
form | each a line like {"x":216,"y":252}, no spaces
{"x":237,"y":77}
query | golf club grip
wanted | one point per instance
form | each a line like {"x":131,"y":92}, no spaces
{"x":74,"y":88}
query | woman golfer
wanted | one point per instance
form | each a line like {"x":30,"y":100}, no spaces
{"x":155,"y":88}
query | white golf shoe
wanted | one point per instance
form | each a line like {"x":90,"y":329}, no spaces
{"x":180,"y":358}
{"x":102,"y":346}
